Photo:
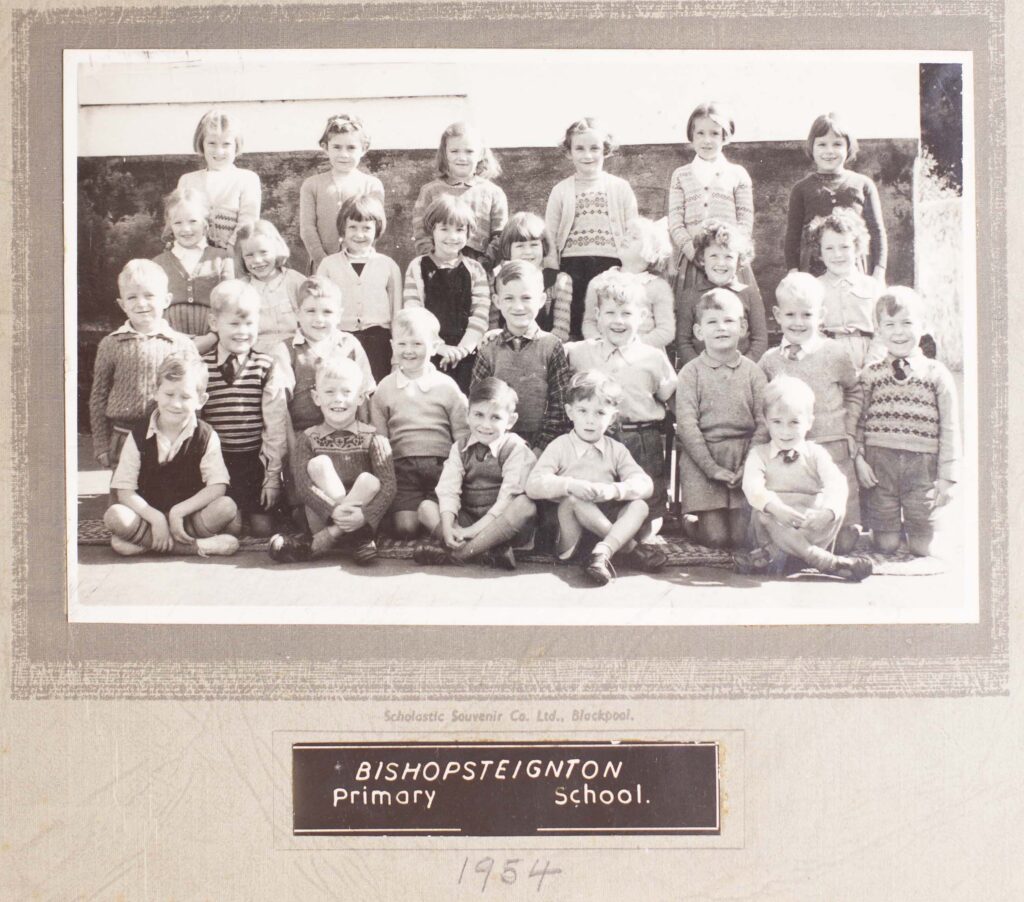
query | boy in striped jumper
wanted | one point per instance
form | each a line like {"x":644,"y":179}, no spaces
{"x":342,"y":470}
{"x":796,"y":490}
{"x":908,"y":436}
{"x":125,"y":374}
{"x":481,"y":505}
{"x":246,"y":406}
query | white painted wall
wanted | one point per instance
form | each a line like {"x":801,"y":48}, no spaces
{"x":140,"y":103}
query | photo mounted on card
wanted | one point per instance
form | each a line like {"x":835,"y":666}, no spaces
{"x":401,"y":336}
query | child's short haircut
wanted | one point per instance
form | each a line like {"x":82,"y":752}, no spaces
{"x":620,"y":288}
{"x":141,"y":272}
{"x":493,"y":391}
{"x":897,"y":298}
{"x":190,"y":196}
{"x":318,"y":287}
{"x":266,"y":229}
{"x":830,"y":122}
{"x":216,"y":122}
{"x":523,"y":227}
{"x":448,"y":210}
{"x":717,"y":113}
{"x":718,"y":299}
{"x":177,"y":366}
{"x":416,"y":319}
{"x":487,"y":167}
{"x":234,"y":294}
{"x":715,"y":231}
{"x":790,"y":391}
{"x":592,"y":384}
{"x":655,"y":247}
{"x":519,"y":271}
{"x":801,"y":286}
{"x":362,"y":208}
{"x":589,"y":124}
{"x":842,"y":221}
{"x":338,"y":366}
{"x":343,"y":125}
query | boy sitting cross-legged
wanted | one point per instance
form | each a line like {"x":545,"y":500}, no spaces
{"x":597,"y":484}
{"x":342,"y":470}
{"x":171,"y":479}
{"x":481,"y":505}
{"x":797,"y":491}
{"x":420,"y":411}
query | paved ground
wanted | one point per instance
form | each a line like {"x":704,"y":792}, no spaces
{"x":248,"y":588}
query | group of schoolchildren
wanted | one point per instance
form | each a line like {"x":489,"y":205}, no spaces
{"x":512,"y":390}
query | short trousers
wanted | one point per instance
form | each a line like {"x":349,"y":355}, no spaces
{"x":906,"y":485}
{"x":247,"y":474}
{"x":647,"y":445}
{"x":416,"y":479}
{"x":839,"y":451}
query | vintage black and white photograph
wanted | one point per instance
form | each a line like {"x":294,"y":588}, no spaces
{"x":573,"y":337}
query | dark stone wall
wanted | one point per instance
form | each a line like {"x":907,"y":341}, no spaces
{"x":120,"y":214}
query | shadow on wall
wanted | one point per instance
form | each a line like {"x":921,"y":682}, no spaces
{"x":120,"y":212}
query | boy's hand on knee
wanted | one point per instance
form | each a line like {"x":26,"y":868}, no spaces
{"x":452,"y":536}
{"x":269,"y":496}
{"x":818,"y":519}
{"x":865,"y":475}
{"x":943,"y":492}
{"x":161,"y":531}
{"x":348,"y":517}
{"x":176,"y":525}
{"x":789,"y":516}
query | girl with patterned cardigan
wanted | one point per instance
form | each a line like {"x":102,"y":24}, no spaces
{"x":708,"y":187}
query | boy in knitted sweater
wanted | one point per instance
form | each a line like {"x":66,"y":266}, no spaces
{"x":125,"y":374}
{"x":342,"y":471}
{"x":797,"y":492}
{"x":908,"y":436}
{"x":481,"y":503}
{"x":420,"y":411}
{"x":826,"y":366}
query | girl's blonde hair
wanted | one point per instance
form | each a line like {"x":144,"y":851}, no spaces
{"x":487,"y":167}
{"x":215,"y":122}
{"x":717,"y":113}
{"x":589,"y":124}
{"x":715,"y":231}
{"x":260,"y":228}
{"x":655,"y":246}
{"x":180,"y":196}
{"x":342,"y":125}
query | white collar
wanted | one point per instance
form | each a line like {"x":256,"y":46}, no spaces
{"x":581,"y":447}
{"x":494,"y":447}
{"x":774,"y":450}
{"x":424,"y":381}
{"x":223,"y":355}
{"x":186,"y":430}
{"x":808,"y":347}
{"x":161,"y":328}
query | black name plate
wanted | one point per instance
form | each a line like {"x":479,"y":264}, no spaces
{"x":505,"y":789}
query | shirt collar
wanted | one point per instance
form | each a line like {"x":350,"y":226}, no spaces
{"x":607,"y":350}
{"x":708,"y":360}
{"x":424,"y":382}
{"x":336,"y":338}
{"x":162,"y":328}
{"x":223,"y":355}
{"x":322,"y":429}
{"x":808,"y":347}
{"x":186,"y":430}
{"x":915,"y":359}
{"x":581,"y":447}
{"x":705,"y":284}
{"x":774,"y":450}
{"x":458,"y":183}
{"x":529,"y":335}
{"x":494,"y":447}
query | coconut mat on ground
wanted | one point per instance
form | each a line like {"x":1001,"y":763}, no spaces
{"x":680,"y":553}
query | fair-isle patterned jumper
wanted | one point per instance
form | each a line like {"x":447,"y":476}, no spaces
{"x":124,"y":378}
{"x":728,"y":196}
{"x":490,"y":213}
{"x":234,"y":195}
{"x":352,"y":451}
{"x":917,"y":414}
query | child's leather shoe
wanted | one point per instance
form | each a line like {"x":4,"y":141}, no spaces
{"x":599,"y":569}
{"x":289,"y":549}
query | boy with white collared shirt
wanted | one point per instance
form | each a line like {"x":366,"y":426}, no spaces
{"x":826,"y":366}
{"x":421,"y":411}
{"x":796,"y":490}
{"x":598,"y":486}
{"x":481,"y":502}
